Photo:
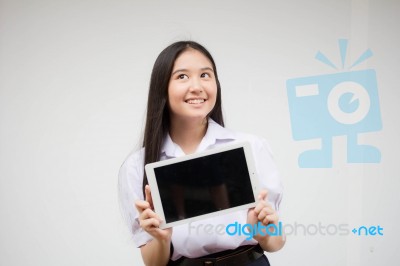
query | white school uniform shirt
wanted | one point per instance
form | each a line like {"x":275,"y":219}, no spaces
{"x":194,"y":240}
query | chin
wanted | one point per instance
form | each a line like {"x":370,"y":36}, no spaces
{"x":194,"y":117}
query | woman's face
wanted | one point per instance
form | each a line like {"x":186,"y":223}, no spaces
{"x":192,"y":89}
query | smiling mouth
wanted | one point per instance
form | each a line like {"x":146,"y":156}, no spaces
{"x":195,"y":101}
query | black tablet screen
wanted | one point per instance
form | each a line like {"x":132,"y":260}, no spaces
{"x":203,"y":185}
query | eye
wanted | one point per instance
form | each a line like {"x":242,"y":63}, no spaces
{"x":183,"y":76}
{"x":205,"y":75}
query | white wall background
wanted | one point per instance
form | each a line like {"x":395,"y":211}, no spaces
{"x":73,"y":84}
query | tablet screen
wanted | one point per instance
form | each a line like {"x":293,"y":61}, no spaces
{"x":202,"y":185}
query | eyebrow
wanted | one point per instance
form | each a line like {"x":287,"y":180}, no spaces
{"x":186,"y":70}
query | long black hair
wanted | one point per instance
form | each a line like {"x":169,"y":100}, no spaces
{"x":157,"y":118}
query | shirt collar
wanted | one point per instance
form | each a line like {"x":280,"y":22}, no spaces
{"x":215,"y":134}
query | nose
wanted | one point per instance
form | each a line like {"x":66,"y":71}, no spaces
{"x":196,"y":86}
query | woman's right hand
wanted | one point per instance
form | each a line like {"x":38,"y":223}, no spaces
{"x":149,"y":220}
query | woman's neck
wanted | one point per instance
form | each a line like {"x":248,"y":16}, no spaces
{"x":188,"y":133}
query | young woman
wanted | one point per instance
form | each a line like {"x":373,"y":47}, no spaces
{"x":184,"y":116}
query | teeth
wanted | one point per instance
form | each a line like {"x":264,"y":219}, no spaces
{"x":194,"y":101}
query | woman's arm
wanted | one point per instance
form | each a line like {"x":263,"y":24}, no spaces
{"x":157,"y":251}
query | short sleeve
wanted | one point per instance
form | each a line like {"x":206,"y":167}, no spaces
{"x":268,"y":173}
{"x":130,"y":182}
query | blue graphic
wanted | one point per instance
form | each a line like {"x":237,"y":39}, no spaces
{"x":250,"y":230}
{"x":368,"y":231}
{"x":340,"y":104}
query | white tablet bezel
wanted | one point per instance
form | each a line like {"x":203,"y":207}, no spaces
{"x":226,"y":147}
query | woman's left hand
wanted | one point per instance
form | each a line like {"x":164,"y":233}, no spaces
{"x":263,"y":213}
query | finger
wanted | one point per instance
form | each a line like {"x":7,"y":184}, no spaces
{"x":265,"y":212}
{"x":268,"y":210}
{"x":263,"y":194}
{"x":260,"y":205}
{"x":149,"y":199}
{"x":141,"y":205}
{"x":147,"y":214}
{"x":150,"y":223}
{"x":262,"y":214}
{"x":273,"y":218}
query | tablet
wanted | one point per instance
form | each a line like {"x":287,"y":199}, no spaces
{"x":202,"y":185}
